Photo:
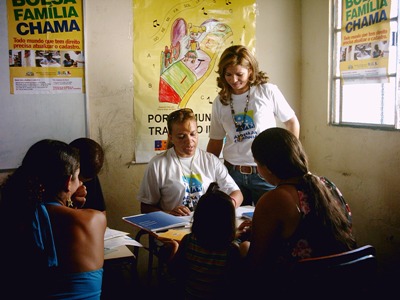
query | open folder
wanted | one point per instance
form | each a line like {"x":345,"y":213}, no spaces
{"x":157,"y":221}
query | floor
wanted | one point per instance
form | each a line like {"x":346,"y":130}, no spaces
{"x":129,"y":279}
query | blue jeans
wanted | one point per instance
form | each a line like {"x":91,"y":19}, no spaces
{"x":252,"y":186}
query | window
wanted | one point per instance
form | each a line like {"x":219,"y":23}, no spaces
{"x":359,"y":99}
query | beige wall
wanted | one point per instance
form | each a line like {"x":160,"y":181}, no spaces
{"x":364,"y":163}
{"x":292,"y":45}
{"x":110,"y":86}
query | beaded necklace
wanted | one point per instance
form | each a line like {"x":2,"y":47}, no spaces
{"x":239,"y":126}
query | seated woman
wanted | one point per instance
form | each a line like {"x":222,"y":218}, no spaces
{"x":56,"y":251}
{"x":90,"y":194}
{"x":175,"y":179}
{"x":300,"y":218}
{"x":208,"y":260}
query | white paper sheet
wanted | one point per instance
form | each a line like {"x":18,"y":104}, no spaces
{"x":119,"y":241}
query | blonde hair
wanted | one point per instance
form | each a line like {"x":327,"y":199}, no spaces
{"x":237,"y":55}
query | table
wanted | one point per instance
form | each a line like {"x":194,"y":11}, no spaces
{"x":155,"y":239}
{"x":118,"y":253}
{"x":120,"y":276}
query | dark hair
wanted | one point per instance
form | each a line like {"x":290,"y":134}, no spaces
{"x":179,"y":116}
{"x":282,"y":153}
{"x":41,"y":176}
{"x":91,"y":157}
{"x":237,"y":55}
{"x":214,"y":220}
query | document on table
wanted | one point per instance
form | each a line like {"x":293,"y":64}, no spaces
{"x":119,"y":241}
{"x":243,"y":209}
{"x":112,"y":233}
{"x":114,"y":238}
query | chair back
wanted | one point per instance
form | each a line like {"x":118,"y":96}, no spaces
{"x":347,"y":274}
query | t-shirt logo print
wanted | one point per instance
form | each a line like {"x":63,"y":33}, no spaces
{"x":246,"y":123}
{"x":193,"y":186}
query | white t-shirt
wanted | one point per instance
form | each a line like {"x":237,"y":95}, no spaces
{"x":266,"y":102}
{"x":165,"y":184}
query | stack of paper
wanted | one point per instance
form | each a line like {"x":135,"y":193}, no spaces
{"x":114,"y":238}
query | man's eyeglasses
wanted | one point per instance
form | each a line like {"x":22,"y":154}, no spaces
{"x":177,"y":114}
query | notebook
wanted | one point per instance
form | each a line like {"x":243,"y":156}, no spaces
{"x":248,"y":215}
{"x":157,"y":221}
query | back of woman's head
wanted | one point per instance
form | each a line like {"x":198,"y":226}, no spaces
{"x":281,"y":151}
{"x":214,"y":220}
{"x":43,"y":172}
{"x":50,"y":159}
{"x":91,"y":157}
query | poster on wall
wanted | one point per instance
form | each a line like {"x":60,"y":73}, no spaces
{"x":364,"y":51}
{"x":177,"y":45}
{"x":45,"y":40}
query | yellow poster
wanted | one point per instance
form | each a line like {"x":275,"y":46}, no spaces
{"x":45,"y":41}
{"x":177,"y":45}
{"x":364,"y":52}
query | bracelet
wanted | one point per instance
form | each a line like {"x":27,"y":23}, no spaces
{"x":234,"y":201}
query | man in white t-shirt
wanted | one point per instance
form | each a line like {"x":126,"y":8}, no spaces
{"x":175,"y":180}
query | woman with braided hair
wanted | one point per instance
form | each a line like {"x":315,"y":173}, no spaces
{"x":300,"y":218}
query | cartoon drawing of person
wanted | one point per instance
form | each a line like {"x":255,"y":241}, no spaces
{"x":189,"y":59}
{"x":193,"y":44}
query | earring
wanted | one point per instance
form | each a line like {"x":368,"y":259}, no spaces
{"x":70,"y":203}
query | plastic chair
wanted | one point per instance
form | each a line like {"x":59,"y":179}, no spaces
{"x":342,"y":276}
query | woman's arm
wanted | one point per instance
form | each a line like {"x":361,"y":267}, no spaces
{"x":237,"y":197}
{"x":215,"y":147}
{"x":293,"y":126}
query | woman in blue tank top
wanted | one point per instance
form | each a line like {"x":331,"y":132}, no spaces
{"x":57,"y":251}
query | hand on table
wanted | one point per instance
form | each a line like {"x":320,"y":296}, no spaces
{"x":244,"y":230}
{"x":180,"y":211}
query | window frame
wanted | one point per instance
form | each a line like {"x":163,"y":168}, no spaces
{"x":336,"y":83}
